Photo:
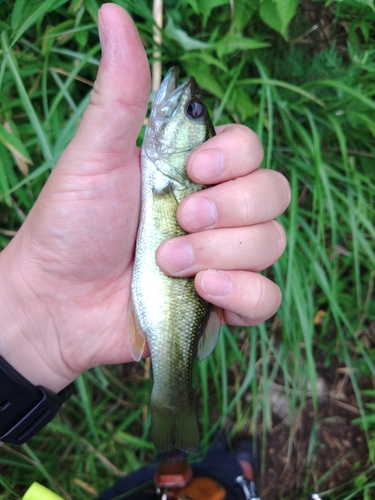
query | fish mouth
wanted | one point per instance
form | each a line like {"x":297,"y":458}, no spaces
{"x":167,"y":87}
{"x":170,"y":83}
{"x":169,"y":92}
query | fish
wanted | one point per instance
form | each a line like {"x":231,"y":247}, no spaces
{"x":167,"y":311}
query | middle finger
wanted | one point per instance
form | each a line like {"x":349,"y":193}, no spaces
{"x":258,"y":197}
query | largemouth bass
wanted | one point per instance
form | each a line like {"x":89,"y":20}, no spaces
{"x":177,"y":323}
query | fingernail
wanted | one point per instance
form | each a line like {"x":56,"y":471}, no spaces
{"x":101,"y":29}
{"x":199,"y":213}
{"x":208,"y":165}
{"x":176,"y":256}
{"x":216,"y":283}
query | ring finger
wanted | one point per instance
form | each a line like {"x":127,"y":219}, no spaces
{"x":252,"y":248}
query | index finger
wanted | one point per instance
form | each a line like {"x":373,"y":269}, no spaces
{"x":234,"y":152}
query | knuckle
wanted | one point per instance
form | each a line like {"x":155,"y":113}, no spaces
{"x":95,"y":95}
{"x":266,"y":300}
{"x":284,"y":187}
{"x":247,"y":142}
{"x":247,"y":201}
{"x":279,"y":237}
{"x":259,"y":299}
{"x":252,"y":146}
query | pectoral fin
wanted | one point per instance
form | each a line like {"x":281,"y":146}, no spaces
{"x":137,"y":339}
{"x":210,"y":335}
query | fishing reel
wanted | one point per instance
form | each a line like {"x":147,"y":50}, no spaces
{"x":174,"y":481}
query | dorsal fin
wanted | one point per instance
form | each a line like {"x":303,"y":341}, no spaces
{"x":136,"y":337}
{"x":210,"y":335}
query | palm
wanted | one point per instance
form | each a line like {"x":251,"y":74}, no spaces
{"x":84,"y":229}
{"x":95,"y":218}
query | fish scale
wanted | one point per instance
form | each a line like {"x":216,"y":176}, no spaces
{"x":177,"y":323}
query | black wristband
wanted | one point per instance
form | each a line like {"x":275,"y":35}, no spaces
{"x":24,"y":407}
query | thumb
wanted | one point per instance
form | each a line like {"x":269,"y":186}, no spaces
{"x":118,"y":103}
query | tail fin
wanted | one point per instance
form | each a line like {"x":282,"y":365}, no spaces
{"x":174,"y":430}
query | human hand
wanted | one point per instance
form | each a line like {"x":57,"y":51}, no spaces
{"x":66,"y":275}
{"x":70,"y":265}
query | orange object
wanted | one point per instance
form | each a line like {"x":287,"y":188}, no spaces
{"x":174,"y":472}
{"x":174,"y":477}
{"x":201,"y":488}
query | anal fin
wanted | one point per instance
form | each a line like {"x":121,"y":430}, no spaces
{"x":137,"y":339}
{"x":210,"y":334}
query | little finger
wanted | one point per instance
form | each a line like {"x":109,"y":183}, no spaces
{"x":247,"y":298}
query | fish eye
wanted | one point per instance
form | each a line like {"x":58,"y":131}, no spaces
{"x":194,"y":108}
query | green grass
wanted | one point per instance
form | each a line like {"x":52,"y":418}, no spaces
{"x":310,"y":97}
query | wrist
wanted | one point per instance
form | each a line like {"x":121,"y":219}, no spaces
{"x":27,"y":332}
{"x":26,"y":409}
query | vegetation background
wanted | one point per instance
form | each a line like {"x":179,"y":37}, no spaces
{"x":301,"y":74}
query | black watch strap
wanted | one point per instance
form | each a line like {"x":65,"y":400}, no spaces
{"x":24,"y":407}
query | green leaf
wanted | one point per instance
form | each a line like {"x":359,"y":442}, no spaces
{"x":349,"y":90}
{"x":129,"y":439}
{"x":76,"y":5}
{"x":206,"y":7}
{"x":82,"y":37}
{"x":18,"y":8}
{"x":27,"y":13}
{"x":229,"y":89}
{"x":241,"y":104}
{"x":243,"y":12}
{"x":193,"y":3}
{"x":286,"y":85}
{"x":360,"y":480}
{"x":92,"y":8}
{"x":183,"y":38}
{"x":27,"y":104}
{"x":4,"y":184}
{"x":14,"y":145}
{"x":207,"y":58}
{"x":204,"y":75}
{"x":233,"y":43}
{"x":278,"y":13}
{"x":367,"y":3}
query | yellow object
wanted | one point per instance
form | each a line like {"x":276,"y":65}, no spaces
{"x":39,"y":492}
